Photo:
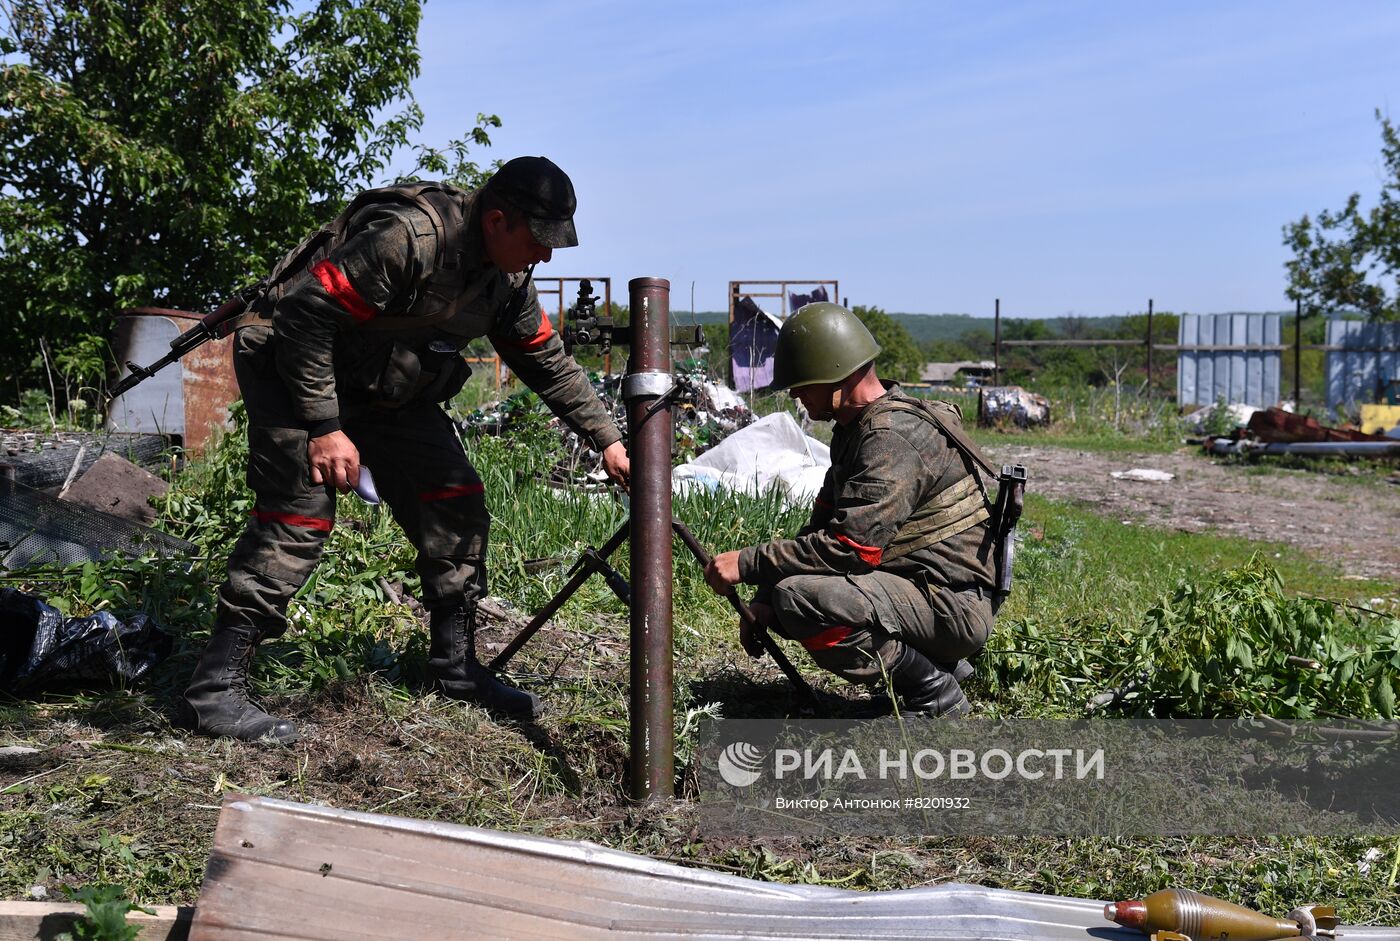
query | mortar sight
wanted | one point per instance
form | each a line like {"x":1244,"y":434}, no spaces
{"x":582,"y":324}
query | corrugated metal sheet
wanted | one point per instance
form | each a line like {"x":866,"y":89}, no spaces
{"x":1359,"y":373}
{"x":281,"y":870}
{"x":1241,"y":376}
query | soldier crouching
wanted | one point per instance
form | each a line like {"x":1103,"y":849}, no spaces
{"x":893,"y":574}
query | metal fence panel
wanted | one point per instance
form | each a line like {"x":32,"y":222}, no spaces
{"x":1240,"y":376}
{"x":1186,"y":369}
{"x":1370,"y":359}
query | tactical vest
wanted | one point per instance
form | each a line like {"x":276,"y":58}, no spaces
{"x":445,"y":206}
{"x":954,"y":509}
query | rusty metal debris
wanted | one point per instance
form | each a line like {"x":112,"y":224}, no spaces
{"x":292,"y":871}
{"x":191,"y":401}
{"x":1275,"y":431}
{"x":1274,"y":425}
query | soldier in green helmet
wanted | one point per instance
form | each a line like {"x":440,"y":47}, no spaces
{"x":894,"y":571}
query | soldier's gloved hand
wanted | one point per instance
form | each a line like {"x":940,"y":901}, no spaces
{"x":334,"y":460}
{"x":617,"y":464}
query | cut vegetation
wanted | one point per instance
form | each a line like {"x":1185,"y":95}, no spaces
{"x":1164,"y":622}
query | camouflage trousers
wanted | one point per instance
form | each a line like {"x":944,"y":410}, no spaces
{"x":852,"y":625}
{"x":421,"y":472}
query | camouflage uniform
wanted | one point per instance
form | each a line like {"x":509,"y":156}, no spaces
{"x":859,"y":577}
{"x":332,"y":358}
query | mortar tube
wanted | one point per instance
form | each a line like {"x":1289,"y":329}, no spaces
{"x":649,"y":423}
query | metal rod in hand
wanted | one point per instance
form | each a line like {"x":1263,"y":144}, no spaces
{"x":586,"y":567}
{"x":748,"y":624}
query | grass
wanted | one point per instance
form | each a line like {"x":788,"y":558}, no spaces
{"x":119,"y":795}
{"x":1098,"y":419}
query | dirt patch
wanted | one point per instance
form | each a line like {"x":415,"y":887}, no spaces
{"x":1353,"y":522}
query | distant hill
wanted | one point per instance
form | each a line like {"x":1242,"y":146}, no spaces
{"x":928,"y":328}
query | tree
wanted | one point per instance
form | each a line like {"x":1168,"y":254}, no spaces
{"x":168,"y":151}
{"x":1350,"y":260}
{"x":900,"y":358}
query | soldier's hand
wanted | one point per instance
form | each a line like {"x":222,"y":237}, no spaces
{"x":617,"y":464}
{"x":762,"y":614}
{"x":334,"y":460}
{"x":722,"y":574}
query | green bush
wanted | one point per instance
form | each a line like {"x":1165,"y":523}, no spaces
{"x":1231,"y":644}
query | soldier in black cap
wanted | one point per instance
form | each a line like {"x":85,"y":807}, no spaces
{"x":343,"y":363}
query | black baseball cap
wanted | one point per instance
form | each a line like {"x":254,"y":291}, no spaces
{"x":544,"y":193}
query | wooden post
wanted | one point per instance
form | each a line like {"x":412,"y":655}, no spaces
{"x":1149,"y":349}
{"x":1298,"y":357}
{"x":996,"y":350}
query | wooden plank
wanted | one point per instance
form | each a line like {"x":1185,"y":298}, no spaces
{"x":281,"y":871}
{"x":43,"y":921}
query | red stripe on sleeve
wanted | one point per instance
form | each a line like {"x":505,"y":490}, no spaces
{"x":294,"y":519}
{"x":541,"y":337}
{"x":826,"y":639}
{"x":340,"y":289}
{"x":449,"y":493}
{"x":870,"y":555}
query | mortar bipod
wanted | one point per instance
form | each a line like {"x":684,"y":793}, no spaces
{"x":753,"y":636}
{"x":590,"y":561}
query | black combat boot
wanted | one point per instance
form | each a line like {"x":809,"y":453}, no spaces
{"x":456,"y":671}
{"x":218,"y":691}
{"x":926,"y":689}
{"x":960,"y":670}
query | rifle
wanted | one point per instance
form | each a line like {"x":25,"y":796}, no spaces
{"x":1011,"y":488}
{"x":213,"y":326}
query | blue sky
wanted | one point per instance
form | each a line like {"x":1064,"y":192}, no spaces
{"x":1067,"y":158}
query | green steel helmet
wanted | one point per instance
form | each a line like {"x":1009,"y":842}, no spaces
{"x":821,"y":343}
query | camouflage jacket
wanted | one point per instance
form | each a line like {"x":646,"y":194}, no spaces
{"x":885,"y":465}
{"x":336,"y":347}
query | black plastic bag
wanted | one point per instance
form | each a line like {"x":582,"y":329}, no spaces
{"x":41,"y":648}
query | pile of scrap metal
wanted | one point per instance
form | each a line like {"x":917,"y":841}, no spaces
{"x":705,"y":411}
{"x":44,"y":459}
{"x":1012,"y":405}
{"x":76,"y":499}
{"x":1275,"y":431}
